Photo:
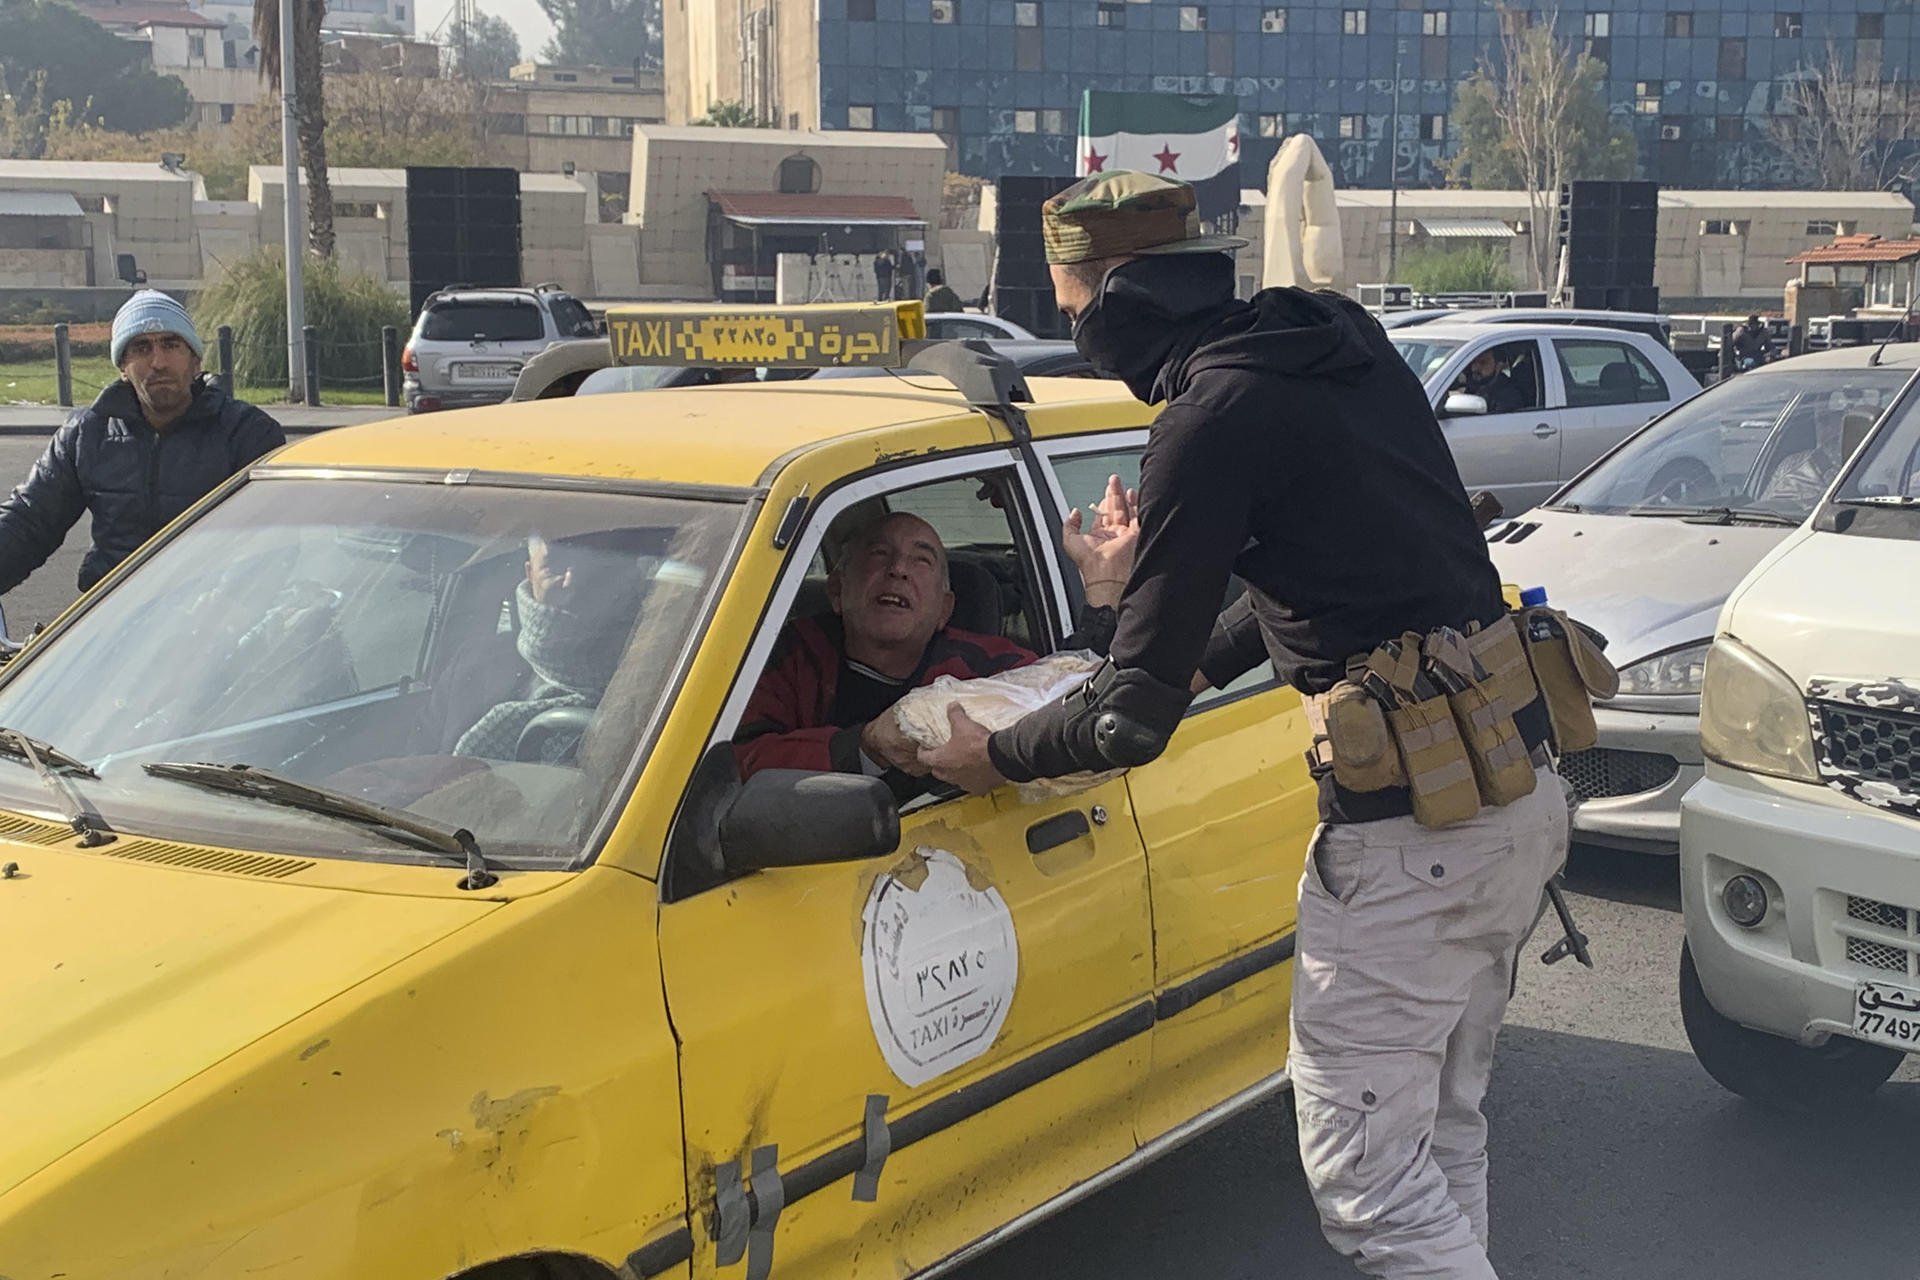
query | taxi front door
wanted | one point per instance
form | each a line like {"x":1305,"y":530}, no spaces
{"x":883,"y":1061}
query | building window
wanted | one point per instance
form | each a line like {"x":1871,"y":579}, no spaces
{"x":566,"y":77}
{"x":1053,"y":120}
{"x":623,"y":79}
{"x":799,"y":176}
{"x":1680,"y":23}
{"x":1271,"y":124}
{"x":1026,"y":122}
{"x":946,"y":12}
{"x":1824,"y":227}
{"x":1514,"y":21}
{"x":1733,"y":59}
{"x":1111,"y":15}
{"x":860,"y":11}
{"x":1433,"y":128}
{"x":1353,"y":22}
{"x":1433,"y":22}
{"x":226,"y":113}
{"x":399,"y":13}
{"x":1870,"y":26}
{"x":1193,"y":17}
{"x":197,"y":45}
{"x":1719,"y":227}
{"x":1273,"y":22}
{"x":860,"y":117}
{"x":1026,"y":13}
{"x":1788,"y":26}
{"x":1029,"y":48}
{"x":1354,"y":126}
{"x":355,"y":209}
{"x":1729,"y":129}
{"x":1597,"y":26}
{"x":1646,"y":97}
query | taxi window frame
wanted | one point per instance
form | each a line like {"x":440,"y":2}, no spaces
{"x":1058,"y":448}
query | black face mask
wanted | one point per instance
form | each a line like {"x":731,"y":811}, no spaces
{"x":1133,"y":323}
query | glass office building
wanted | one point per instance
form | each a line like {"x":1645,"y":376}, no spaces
{"x":1000,"y":80}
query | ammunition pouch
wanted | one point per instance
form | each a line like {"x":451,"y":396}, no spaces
{"x":1571,"y":672}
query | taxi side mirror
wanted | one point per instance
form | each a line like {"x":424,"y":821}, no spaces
{"x":797,"y":818}
{"x":1459,"y":404}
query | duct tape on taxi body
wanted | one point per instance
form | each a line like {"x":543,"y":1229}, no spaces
{"x":801,"y":337}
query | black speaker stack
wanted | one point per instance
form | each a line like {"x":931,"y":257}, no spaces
{"x":1022,"y":287}
{"x":1609,"y":230}
{"x":463,"y":227}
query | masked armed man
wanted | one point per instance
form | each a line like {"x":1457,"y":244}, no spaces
{"x":1297,"y":450}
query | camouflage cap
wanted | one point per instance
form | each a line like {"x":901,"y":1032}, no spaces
{"x":1121,"y":213}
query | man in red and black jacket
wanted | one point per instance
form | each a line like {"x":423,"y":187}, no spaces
{"x":822,"y":701}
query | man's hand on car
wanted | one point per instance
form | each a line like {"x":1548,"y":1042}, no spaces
{"x":885,"y":745}
{"x":1104,"y":552}
{"x":962,"y":760}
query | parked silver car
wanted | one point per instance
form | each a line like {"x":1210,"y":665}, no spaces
{"x":1567,"y":396}
{"x":468,"y":345}
{"x":1650,"y":542}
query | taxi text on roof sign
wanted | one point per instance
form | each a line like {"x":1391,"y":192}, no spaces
{"x":803,"y":337}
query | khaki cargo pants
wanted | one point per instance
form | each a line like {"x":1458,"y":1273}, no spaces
{"x":1407,"y":944}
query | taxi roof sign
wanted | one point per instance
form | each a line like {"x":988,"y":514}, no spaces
{"x":817,"y":336}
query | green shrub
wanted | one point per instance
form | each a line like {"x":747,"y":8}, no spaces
{"x":1474,"y":269}
{"x":346,"y":308}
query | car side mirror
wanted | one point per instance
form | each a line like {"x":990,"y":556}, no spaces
{"x":1459,"y":404}
{"x":798,"y":818}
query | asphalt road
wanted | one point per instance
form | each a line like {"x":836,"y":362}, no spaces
{"x":1614,"y":1156}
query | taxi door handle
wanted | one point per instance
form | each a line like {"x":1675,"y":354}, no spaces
{"x":1544,"y":429}
{"x":1053,"y":832}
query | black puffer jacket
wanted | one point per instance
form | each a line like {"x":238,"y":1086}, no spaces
{"x":134,"y":480}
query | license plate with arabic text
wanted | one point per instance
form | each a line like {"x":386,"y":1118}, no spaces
{"x":1886,"y":1014}
{"x":491,"y":371}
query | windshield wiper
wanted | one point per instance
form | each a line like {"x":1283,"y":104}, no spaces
{"x":246,"y":780}
{"x":88,"y":825}
{"x":1727,"y":515}
{"x":1880,"y":500}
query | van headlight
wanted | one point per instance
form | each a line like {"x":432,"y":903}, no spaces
{"x":1752,"y":715}
{"x":1675,"y":671}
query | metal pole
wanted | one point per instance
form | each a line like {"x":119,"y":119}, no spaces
{"x":310,"y":340}
{"x":225,"y":339}
{"x":390,"y":363}
{"x":1393,"y":169}
{"x":290,"y":155}
{"x":63,"y":364}
{"x":1726,"y":352}
{"x":1796,"y":340}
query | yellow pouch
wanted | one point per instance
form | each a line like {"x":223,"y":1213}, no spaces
{"x":1500,"y":654}
{"x":1551,"y":642}
{"x":1363,"y":755}
{"x":1435,"y":762}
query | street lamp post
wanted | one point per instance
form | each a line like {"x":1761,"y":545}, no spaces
{"x":1393,"y":167}
{"x":290,"y":154}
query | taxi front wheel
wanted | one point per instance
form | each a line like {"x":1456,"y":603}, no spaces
{"x":1775,"y":1072}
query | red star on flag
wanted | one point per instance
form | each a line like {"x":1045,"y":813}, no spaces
{"x":1233,"y":144}
{"x":1095,"y":161}
{"x":1167,"y":157}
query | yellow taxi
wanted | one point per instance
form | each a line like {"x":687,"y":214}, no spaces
{"x":342,"y":941}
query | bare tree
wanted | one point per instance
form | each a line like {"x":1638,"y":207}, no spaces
{"x":1532,"y":116}
{"x":1839,"y":123}
{"x":309,"y":105}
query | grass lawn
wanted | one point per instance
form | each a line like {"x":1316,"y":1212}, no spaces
{"x":33,"y":382}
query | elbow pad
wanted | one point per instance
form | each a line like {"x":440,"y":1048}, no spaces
{"x":1125,"y":715}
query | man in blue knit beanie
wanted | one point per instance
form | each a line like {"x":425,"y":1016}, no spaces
{"x":153,"y":443}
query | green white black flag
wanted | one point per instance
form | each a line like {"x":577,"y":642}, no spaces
{"x":1196,"y":140}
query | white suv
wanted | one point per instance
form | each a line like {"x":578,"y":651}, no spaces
{"x":468,"y":345}
{"x":1800,"y":850}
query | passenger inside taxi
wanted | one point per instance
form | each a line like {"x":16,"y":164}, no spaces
{"x":892,"y":598}
{"x":1800,"y":477}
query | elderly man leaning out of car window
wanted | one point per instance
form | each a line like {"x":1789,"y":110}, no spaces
{"x":821,"y":703}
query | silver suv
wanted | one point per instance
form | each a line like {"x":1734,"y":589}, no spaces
{"x":468,"y":344}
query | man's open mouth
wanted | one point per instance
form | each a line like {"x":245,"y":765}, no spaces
{"x":892,"y":600}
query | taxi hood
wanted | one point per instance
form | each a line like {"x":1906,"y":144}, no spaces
{"x":1646,"y":583}
{"x":124,"y":980}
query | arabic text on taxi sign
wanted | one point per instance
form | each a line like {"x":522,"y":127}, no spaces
{"x":786,"y":337}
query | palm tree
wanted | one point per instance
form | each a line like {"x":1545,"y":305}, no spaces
{"x":309,"y":105}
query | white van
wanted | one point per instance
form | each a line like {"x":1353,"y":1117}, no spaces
{"x":1800,"y":849}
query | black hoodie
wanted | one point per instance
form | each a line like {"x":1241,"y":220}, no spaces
{"x":106,"y":460}
{"x":1298,"y":451}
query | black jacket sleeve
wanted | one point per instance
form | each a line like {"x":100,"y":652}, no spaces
{"x":256,"y":436}
{"x":1196,"y":494}
{"x":1236,"y":645}
{"x":1095,"y":631}
{"x":35,"y":520}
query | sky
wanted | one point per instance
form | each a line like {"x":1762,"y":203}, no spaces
{"x":523,"y":16}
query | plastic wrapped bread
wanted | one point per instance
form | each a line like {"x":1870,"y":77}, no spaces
{"x":999,"y":701}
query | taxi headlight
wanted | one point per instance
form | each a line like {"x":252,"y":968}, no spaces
{"x":1675,"y":671}
{"x":1753,"y":717}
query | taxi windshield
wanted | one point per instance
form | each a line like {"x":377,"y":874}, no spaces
{"x":488,"y":657}
{"x":1769,"y":444}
